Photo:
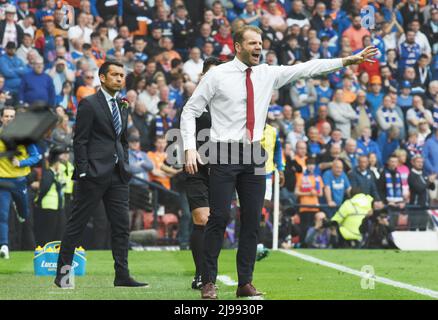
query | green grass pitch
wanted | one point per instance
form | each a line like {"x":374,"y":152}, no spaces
{"x":280,"y":276}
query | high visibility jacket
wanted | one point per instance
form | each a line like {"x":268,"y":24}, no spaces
{"x":351,"y":214}
{"x":51,"y":195}
{"x":271,"y":143}
{"x":66,"y":172}
{"x":28,"y":156}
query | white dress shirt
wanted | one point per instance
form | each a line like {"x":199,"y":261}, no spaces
{"x":223,"y":88}
{"x":108,"y":98}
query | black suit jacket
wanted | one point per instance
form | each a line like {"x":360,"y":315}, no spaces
{"x":95,"y":143}
{"x":20,"y":32}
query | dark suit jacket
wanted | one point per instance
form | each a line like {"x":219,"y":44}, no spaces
{"x":95,"y":143}
{"x":20,"y":32}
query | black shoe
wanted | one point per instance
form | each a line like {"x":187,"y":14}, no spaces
{"x":130,"y":283}
{"x":197,"y":283}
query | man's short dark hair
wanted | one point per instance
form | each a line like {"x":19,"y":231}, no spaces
{"x":138,"y":37}
{"x":105,"y":66}
{"x":161,"y":105}
{"x":175,"y":63}
{"x":211,"y":61}
{"x":94,"y":35}
{"x":86,"y":46}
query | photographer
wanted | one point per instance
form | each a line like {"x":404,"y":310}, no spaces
{"x":349,"y":218}
{"x":322,"y":235}
{"x":13,"y":172}
{"x":377,"y":232}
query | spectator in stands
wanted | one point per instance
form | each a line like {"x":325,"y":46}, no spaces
{"x":10,"y":31}
{"x":315,"y":145}
{"x":336,"y":186}
{"x":303,"y":97}
{"x":135,"y":76}
{"x":12,"y":68}
{"x":183,"y":31}
{"x":420,"y":38}
{"x":321,"y":118}
{"x":390,"y":189}
{"x":355,"y":33}
{"x":150,"y":97}
{"x":250,"y":14}
{"x":430,"y":155}
{"x":286,"y":121}
{"x":404,"y":99}
{"x":308,"y":189}
{"x":25,"y":47}
{"x":80,"y":31}
{"x":142,"y":118}
{"x":423,"y":71}
{"x":275,"y":18}
{"x":67,"y":99}
{"x":60,"y":73}
{"x":362,"y":177}
{"x":193,"y":66}
{"x":62,"y":134}
{"x":298,"y":133}
{"x":88,"y":88}
{"x":431,"y":98}
{"x":419,"y":186}
{"x":321,"y":235}
{"x":417,"y":112}
{"x":388,"y":117}
{"x":139,"y":163}
{"x":342,"y":113}
{"x":225,"y":40}
{"x":375,"y":96}
{"x":37,"y":86}
{"x":388,"y":142}
{"x":403,"y":170}
{"x":350,"y":155}
{"x":409,"y":51}
{"x":365,"y":118}
{"x":162,"y":122}
{"x":365,"y":145}
{"x":430,"y":29}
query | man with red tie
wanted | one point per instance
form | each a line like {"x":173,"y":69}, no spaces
{"x":238,"y":93}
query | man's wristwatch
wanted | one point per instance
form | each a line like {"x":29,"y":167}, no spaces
{"x":82,"y":175}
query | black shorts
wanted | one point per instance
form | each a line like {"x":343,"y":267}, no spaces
{"x":197,"y":188}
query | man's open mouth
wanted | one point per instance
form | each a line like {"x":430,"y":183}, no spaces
{"x":256,"y":55}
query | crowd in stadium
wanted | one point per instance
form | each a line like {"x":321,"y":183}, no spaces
{"x":359,"y":139}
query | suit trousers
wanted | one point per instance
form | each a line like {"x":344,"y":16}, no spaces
{"x":224,"y":179}
{"x":88,"y":193}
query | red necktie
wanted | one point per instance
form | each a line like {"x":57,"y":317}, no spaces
{"x":249,"y":105}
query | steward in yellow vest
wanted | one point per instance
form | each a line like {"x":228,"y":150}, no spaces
{"x":350,"y":215}
{"x":49,"y":203}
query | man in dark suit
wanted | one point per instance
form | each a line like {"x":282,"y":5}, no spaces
{"x":101,"y":171}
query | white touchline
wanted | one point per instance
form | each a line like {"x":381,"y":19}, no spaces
{"x":397,"y":284}
{"x":226,"y":280}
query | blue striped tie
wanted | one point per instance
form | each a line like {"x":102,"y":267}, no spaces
{"x":116,"y":117}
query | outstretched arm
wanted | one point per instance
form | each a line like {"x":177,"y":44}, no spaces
{"x":312,"y":68}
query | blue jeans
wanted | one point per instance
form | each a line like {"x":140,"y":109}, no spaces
{"x":17,"y":191}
